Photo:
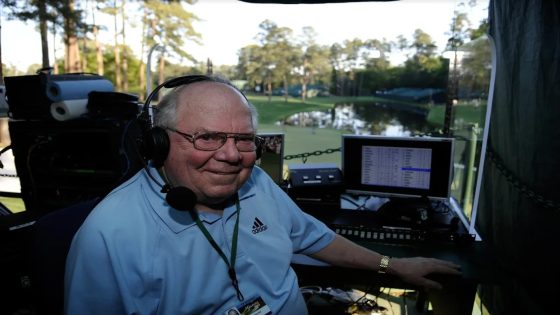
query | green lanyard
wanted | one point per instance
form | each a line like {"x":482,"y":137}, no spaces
{"x":231,"y":263}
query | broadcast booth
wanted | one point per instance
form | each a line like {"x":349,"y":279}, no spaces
{"x":80,"y":140}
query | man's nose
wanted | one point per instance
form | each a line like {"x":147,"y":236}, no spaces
{"x":229,"y":150}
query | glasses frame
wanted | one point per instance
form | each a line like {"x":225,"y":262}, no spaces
{"x":235,"y":136}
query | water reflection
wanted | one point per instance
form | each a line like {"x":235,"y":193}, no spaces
{"x":389,"y":119}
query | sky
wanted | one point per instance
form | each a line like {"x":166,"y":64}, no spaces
{"x":228,"y":25}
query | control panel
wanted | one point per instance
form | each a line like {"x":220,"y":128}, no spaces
{"x":321,"y":174}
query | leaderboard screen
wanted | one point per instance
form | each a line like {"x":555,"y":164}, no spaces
{"x":397,"y":166}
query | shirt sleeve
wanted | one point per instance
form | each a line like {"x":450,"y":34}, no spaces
{"x":308,"y":234}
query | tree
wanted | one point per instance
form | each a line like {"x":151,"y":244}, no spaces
{"x":98,"y":49}
{"x":423,"y":44}
{"x":346,"y":59}
{"x":72,"y":24}
{"x":42,"y":12}
{"x":249,"y":65}
{"x":169,"y":25}
{"x":278,"y":55}
{"x":337,"y":75}
{"x":402,"y":45}
{"x":476,"y":67}
{"x":114,"y":11}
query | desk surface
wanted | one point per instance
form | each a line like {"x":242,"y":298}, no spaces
{"x":478,"y":262}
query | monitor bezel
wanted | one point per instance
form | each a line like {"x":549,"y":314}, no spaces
{"x":442,"y":165}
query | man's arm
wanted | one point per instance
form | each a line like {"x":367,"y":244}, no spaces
{"x":344,"y":253}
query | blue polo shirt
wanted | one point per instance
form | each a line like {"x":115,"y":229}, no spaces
{"x":135,"y":254}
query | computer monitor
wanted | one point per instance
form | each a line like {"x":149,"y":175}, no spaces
{"x":397,"y":166}
{"x":272,"y":156}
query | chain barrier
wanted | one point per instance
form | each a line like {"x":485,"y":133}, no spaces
{"x":304,"y":156}
{"x":516,"y":182}
{"x":8,"y":175}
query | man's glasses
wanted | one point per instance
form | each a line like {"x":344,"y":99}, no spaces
{"x":211,"y":141}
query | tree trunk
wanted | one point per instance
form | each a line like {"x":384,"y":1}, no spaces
{"x":142,"y":68}
{"x":118,"y":80}
{"x":304,"y":81}
{"x":285,"y":81}
{"x":269,"y":88}
{"x":73,"y":64}
{"x":125,"y":57}
{"x":72,"y":58}
{"x":1,"y":62}
{"x":55,"y":64}
{"x":43,"y":31}
{"x":98,"y":51}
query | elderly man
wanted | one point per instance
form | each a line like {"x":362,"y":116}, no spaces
{"x":137,"y":254}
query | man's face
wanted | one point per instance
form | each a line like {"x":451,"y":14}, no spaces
{"x":214,"y":176}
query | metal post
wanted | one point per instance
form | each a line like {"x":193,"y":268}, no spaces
{"x":149,"y":70}
{"x":467,"y":199}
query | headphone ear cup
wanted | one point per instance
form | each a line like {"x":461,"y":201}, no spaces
{"x":156,"y":144}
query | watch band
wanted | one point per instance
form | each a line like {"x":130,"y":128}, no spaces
{"x":384,"y":264}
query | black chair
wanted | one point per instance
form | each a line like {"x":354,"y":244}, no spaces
{"x":52,"y":238}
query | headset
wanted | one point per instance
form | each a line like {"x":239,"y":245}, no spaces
{"x":154,"y":142}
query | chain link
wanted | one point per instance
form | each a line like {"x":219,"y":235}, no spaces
{"x":8,"y":175}
{"x":516,"y":183}
{"x":304,"y":156}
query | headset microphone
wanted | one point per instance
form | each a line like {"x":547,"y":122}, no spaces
{"x":181,"y":198}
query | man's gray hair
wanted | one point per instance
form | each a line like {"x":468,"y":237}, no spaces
{"x":165,"y":114}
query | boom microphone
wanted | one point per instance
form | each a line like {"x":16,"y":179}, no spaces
{"x":181,"y":198}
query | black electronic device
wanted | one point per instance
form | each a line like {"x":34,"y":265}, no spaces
{"x":404,"y":221}
{"x":112,"y":105}
{"x":30,"y":96}
{"x":62,"y":163}
{"x":398,"y":166}
{"x":314,"y":175}
{"x":316,"y":188}
{"x":407,"y":212}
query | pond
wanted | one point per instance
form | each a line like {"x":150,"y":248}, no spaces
{"x":389,"y":119}
{"x":397,"y":120}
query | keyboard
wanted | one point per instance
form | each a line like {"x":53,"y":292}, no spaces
{"x":381,"y":234}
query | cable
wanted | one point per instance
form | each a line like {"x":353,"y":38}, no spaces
{"x":2,"y":151}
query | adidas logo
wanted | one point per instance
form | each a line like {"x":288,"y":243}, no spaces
{"x":258,"y":226}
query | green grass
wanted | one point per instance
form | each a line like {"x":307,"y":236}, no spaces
{"x":307,"y":140}
{"x":14,"y":204}
{"x":468,"y":113}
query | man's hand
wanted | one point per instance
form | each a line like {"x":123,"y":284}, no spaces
{"x":414,"y":270}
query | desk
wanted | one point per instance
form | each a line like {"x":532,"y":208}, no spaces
{"x":478,"y":263}
{"x":458,"y":293}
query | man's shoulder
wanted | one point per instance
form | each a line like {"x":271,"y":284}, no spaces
{"x":121,"y":203}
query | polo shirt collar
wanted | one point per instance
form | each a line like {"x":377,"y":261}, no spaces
{"x":176,"y":220}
